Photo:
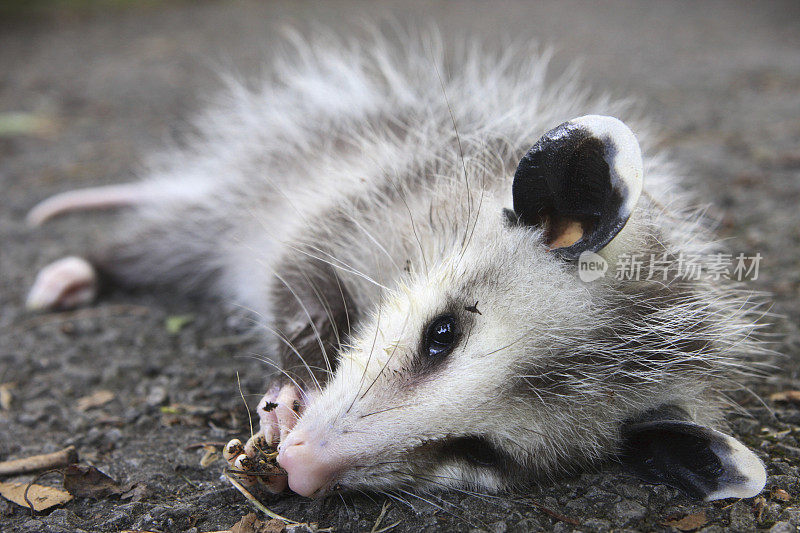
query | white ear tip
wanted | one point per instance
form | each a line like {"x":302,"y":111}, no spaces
{"x":623,"y":155}
{"x":600,"y":122}
{"x":749,"y":466}
{"x":603,"y":125}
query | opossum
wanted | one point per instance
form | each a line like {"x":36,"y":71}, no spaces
{"x":408,"y":221}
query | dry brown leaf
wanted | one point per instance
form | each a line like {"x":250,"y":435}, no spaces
{"x":40,"y":496}
{"x":247,"y":524}
{"x":273,"y":526}
{"x":5,"y":395}
{"x":759,"y":505}
{"x":689,"y":522}
{"x":786,"y":396}
{"x":251,"y":524}
{"x":96,"y":399}
{"x":88,"y":481}
{"x":780,"y":494}
{"x":136,"y":494}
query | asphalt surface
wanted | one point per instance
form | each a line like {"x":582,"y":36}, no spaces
{"x":94,"y":89}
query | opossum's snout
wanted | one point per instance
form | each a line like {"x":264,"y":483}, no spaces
{"x":310,"y":465}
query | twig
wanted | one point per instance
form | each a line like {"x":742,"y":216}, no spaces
{"x":384,"y":508}
{"x":189,"y":482}
{"x":196,"y":445}
{"x":230,"y":340}
{"x":731,"y":504}
{"x":32,"y":483}
{"x":39,"y":462}
{"x":249,"y":416}
{"x":553,"y":514}
{"x":95,"y":312}
{"x":257,"y":504}
{"x":388,"y":528}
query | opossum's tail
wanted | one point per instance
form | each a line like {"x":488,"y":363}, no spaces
{"x":92,"y":198}
{"x":181,"y":234}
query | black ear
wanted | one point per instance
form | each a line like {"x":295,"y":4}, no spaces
{"x":580,"y":181}
{"x":700,"y":461}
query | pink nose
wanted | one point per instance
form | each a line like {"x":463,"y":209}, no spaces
{"x":308,"y":466}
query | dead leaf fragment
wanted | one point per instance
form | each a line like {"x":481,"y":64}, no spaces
{"x":273,"y":526}
{"x":786,"y":396}
{"x":251,"y":524}
{"x":16,"y":124}
{"x":174,"y":324}
{"x":88,"y":481}
{"x":136,"y":494}
{"x":780,"y":494}
{"x":40,"y":496}
{"x":96,"y":399}
{"x":689,"y":522}
{"x":209,"y":457}
{"x":186,"y":409}
{"x":759,"y":505}
{"x":190,"y":415}
{"x":5,"y":395}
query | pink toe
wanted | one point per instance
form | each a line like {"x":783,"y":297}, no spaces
{"x":66,"y":283}
{"x":289,"y":407}
{"x":268,"y":419}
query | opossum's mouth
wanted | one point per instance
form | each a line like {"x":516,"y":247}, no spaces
{"x":416,"y":464}
{"x":476,"y":450}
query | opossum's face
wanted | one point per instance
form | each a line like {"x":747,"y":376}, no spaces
{"x":473,"y":372}
{"x":431,"y":392}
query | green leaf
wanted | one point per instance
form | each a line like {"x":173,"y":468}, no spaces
{"x":174,"y":324}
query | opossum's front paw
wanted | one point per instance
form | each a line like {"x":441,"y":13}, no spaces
{"x":63,"y":284}
{"x":279,"y":410}
{"x":255,"y":461}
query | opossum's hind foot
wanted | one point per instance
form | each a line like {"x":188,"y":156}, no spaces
{"x":255,"y":461}
{"x":92,"y":198}
{"x":64,"y":284}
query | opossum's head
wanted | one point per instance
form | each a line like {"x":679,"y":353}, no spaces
{"x":496,"y":361}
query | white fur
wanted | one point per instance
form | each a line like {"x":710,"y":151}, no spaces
{"x":392,"y":164}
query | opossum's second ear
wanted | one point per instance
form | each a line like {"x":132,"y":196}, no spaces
{"x":581,"y":182}
{"x":702,"y":462}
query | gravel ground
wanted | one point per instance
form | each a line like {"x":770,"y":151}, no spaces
{"x":105,"y":86}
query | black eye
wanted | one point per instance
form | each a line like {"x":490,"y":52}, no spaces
{"x":441,"y":336}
